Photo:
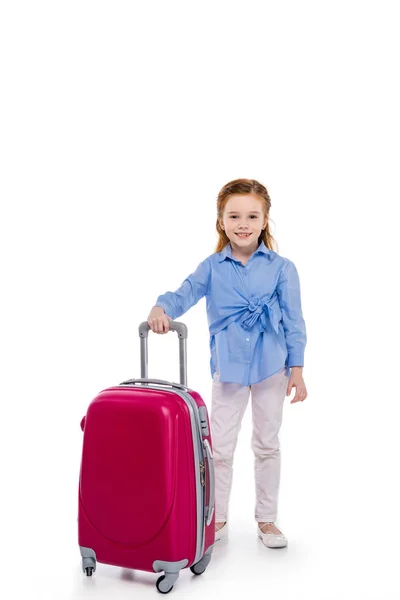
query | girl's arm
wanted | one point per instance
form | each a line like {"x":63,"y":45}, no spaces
{"x":194,"y":287}
{"x":288,"y":290}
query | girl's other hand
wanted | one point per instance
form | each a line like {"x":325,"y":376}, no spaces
{"x":158,"y":320}
{"x":296,"y":380}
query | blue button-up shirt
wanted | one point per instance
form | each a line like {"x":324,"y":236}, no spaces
{"x":254,"y":313}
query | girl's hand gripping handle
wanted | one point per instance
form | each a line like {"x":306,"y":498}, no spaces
{"x":158,"y":320}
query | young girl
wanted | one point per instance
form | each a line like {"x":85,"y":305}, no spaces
{"x":257,"y":342}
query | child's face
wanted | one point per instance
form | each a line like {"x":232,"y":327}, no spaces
{"x":244,"y":213}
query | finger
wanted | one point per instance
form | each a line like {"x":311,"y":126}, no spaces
{"x":297,"y":395}
{"x":302,"y":394}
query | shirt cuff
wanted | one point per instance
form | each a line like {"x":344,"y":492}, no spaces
{"x":166,"y":308}
{"x":296,"y":359}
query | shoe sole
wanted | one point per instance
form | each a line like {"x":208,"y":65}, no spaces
{"x":273,"y":544}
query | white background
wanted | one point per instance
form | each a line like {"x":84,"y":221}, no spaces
{"x":120,"y":122}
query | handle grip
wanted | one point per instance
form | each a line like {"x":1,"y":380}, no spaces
{"x":177,"y":326}
{"x":182,"y":332}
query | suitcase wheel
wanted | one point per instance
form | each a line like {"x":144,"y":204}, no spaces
{"x":163,"y":586}
{"x":197,"y":569}
{"x":200,"y":567}
{"x":88,"y":565}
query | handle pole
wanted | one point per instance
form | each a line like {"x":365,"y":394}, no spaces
{"x":144,"y":358}
{"x":181,"y":330}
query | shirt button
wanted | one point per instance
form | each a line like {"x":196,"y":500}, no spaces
{"x":247,"y":339}
{"x":247,"y":361}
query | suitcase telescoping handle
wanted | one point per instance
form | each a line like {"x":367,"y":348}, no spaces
{"x":181,"y":330}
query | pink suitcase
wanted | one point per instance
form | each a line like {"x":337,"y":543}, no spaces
{"x":146,"y":485}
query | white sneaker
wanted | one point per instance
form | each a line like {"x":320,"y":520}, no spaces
{"x":222,"y":533}
{"x":272,"y":540}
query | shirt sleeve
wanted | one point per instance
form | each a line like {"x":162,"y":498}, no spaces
{"x":194,"y":287}
{"x":288,"y":290}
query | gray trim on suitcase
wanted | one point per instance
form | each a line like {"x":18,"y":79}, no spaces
{"x":180,"y":386}
{"x":203,"y":421}
{"x":211,"y":474}
{"x":199,"y":455}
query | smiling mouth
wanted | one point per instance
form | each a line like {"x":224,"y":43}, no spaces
{"x":243,"y":235}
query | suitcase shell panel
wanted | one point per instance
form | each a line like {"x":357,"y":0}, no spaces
{"x":140,"y":494}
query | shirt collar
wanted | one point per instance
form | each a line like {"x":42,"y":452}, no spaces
{"x":226,"y":252}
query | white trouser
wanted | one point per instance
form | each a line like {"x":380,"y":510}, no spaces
{"x":229,"y":402}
